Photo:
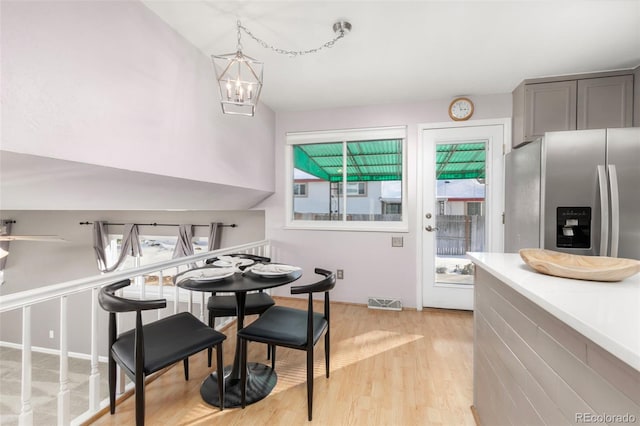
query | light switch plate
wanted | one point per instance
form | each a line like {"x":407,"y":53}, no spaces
{"x":397,"y":241}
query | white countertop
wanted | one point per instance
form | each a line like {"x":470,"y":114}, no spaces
{"x":608,"y":313}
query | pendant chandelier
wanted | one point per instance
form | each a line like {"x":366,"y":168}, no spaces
{"x":240,"y":76}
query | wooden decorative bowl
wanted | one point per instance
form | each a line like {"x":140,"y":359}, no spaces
{"x":592,"y":268}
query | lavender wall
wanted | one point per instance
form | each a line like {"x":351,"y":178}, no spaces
{"x":372,"y":267}
{"x":109,"y":83}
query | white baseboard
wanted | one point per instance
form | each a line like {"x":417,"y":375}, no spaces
{"x":50,"y":351}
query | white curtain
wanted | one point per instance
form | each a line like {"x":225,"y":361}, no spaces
{"x":130,"y":245}
{"x":184,"y":245}
{"x":215,"y":233}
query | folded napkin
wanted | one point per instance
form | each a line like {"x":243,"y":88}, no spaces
{"x":206,"y":273}
{"x":274,"y":268}
{"x":235,"y":261}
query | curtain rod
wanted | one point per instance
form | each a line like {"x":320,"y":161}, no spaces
{"x":233,"y":225}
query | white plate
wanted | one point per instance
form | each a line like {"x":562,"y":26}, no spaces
{"x":273,"y":270}
{"x":208,"y":274}
{"x":234,"y":261}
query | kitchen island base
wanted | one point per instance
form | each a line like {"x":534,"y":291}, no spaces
{"x":532,"y":368}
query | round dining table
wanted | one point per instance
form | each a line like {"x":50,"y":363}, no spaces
{"x":261,"y":378}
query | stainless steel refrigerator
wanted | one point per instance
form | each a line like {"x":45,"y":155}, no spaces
{"x":576,"y":192}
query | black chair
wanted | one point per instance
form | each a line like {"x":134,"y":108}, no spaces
{"x":225,"y":305}
{"x":292,"y":328}
{"x":152,"y":347}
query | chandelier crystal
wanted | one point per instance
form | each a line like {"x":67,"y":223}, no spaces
{"x":240,"y":76}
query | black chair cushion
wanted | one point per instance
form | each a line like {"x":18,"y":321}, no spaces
{"x":225,"y":306}
{"x":167,"y":341}
{"x":284,"y":326}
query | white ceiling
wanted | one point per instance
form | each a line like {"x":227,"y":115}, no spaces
{"x":405,"y":51}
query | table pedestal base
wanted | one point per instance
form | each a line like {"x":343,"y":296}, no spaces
{"x":261,"y":379}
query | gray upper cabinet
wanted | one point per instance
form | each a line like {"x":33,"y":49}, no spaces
{"x":605,"y":102}
{"x":586,"y":101}
{"x":549,"y":107}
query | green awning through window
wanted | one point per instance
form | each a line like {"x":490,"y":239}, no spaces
{"x":381,"y":160}
{"x":460,"y":161}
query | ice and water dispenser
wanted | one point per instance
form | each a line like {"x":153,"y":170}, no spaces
{"x":573,"y":227}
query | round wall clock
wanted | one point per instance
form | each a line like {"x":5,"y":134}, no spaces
{"x":461,"y":109}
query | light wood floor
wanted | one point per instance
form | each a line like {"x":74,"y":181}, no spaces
{"x":387,"y":368}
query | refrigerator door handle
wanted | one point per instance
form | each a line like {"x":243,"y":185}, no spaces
{"x":615,"y":210}
{"x":604,"y":210}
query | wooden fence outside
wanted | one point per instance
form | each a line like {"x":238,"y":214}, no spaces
{"x":458,"y":234}
{"x":377,"y":217}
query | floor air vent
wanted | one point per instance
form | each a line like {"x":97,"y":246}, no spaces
{"x":388,"y":304}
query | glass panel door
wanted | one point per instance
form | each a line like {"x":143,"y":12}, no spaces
{"x":460,"y":196}
{"x":457,"y":196}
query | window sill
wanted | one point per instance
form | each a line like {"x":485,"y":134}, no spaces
{"x":400,"y":227}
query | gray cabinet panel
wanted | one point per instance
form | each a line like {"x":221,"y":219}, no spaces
{"x":619,"y":374}
{"x":605,"y":102}
{"x":549,"y":107}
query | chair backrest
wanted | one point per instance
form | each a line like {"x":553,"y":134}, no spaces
{"x":112,"y":303}
{"x":323,"y":285}
{"x":244,"y":256}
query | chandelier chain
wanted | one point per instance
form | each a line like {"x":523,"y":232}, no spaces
{"x":238,"y":35}
{"x":292,"y":53}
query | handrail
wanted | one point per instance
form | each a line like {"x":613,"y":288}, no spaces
{"x":30,"y":297}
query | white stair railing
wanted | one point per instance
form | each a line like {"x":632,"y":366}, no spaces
{"x":27,"y":299}
{"x":26,"y":411}
{"x":64,"y":396}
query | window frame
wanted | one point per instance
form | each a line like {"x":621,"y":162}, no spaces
{"x":360,"y":184}
{"x":386,"y":205}
{"x":344,"y":136}
{"x":475,"y":204}
{"x":302,"y":185}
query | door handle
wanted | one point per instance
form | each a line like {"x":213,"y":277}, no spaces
{"x":615,"y":210}
{"x":430,"y":228}
{"x":604,"y":210}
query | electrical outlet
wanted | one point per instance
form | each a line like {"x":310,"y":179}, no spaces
{"x":340,"y":274}
{"x":397,"y":241}
{"x":51,"y":335}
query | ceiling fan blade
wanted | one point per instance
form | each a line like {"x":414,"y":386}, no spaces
{"x":49,"y":238}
